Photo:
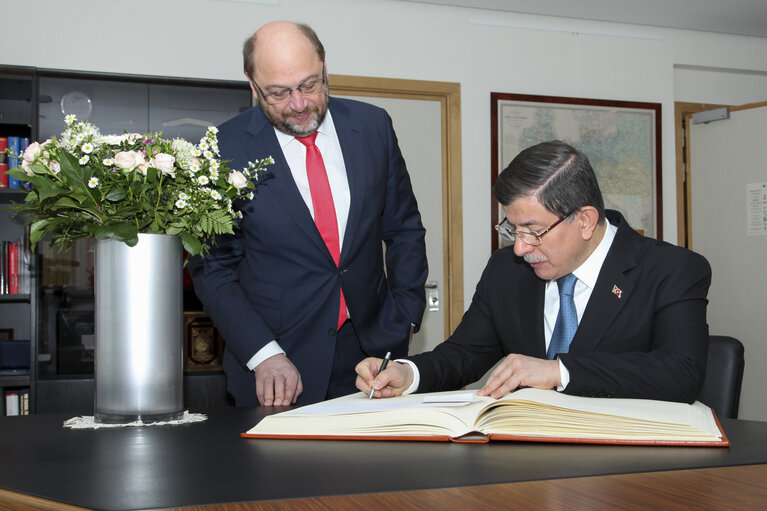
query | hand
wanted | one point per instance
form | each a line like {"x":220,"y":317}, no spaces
{"x":521,"y":371}
{"x":278,"y":382}
{"x":393,"y":381}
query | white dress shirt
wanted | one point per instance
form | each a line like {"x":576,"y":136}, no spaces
{"x":587,"y":274}
{"x":295,"y":154}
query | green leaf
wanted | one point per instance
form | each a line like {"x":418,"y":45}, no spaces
{"x":174,"y":229}
{"x":37,"y":230}
{"x":126,"y":232}
{"x":151,"y":175}
{"x":191,"y":243}
{"x":115,"y":194}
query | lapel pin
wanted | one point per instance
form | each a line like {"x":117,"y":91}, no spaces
{"x":617,"y":291}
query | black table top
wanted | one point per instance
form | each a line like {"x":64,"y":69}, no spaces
{"x":209,"y":463}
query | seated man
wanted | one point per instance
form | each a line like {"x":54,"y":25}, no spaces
{"x":631,"y":321}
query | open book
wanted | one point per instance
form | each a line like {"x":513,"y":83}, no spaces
{"x":523,"y":415}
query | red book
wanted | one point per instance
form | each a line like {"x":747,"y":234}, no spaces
{"x":13,"y":268}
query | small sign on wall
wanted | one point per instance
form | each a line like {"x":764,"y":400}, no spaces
{"x":756,"y":208}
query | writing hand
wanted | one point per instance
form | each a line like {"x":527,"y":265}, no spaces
{"x":521,"y":371}
{"x":278,"y":382}
{"x":393,"y":381}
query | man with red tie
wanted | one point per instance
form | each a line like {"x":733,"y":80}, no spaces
{"x":304,"y":290}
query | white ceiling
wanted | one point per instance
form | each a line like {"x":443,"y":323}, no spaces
{"x":740,"y":17}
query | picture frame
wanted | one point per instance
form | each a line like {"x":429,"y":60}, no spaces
{"x":622,"y":140}
{"x":203,"y":344}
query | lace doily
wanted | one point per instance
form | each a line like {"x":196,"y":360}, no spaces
{"x":88,"y":422}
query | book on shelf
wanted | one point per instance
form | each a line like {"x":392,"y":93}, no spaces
{"x":15,"y":268}
{"x":12,"y":402}
{"x":17,"y":402}
{"x":4,"y":267}
{"x":16,"y":145}
{"x":24,"y":402}
{"x":524,"y":415}
{"x":4,"y":178}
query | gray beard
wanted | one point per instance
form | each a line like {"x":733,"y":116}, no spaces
{"x":288,"y":128}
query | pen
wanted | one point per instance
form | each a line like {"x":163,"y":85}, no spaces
{"x":383,"y":366}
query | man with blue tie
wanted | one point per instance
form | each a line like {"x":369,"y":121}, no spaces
{"x":303,"y":290}
{"x":581,"y":302}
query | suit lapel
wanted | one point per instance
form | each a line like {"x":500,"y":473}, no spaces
{"x":350,"y":139}
{"x":611,"y":291}
{"x":533,"y":309}
{"x":259,"y":142}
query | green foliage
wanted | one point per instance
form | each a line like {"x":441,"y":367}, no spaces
{"x":117,"y":186}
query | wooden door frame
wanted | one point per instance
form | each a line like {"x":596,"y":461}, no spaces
{"x":449,"y":96}
{"x":682,"y":115}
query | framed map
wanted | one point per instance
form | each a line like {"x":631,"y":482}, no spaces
{"x":620,"y":138}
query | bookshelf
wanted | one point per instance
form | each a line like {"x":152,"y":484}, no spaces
{"x":56,"y":315}
{"x":18,"y":120}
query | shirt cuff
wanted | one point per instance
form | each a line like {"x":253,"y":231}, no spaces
{"x":416,"y":377}
{"x":270,"y":350}
{"x":564,"y":376}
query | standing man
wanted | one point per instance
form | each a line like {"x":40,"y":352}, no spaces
{"x":301,"y":292}
{"x":581,"y":302}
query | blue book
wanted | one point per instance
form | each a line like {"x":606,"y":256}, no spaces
{"x":14,"y":144}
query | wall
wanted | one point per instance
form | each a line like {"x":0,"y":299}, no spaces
{"x":389,"y":38}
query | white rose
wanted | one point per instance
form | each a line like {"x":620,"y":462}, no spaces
{"x":164,"y":163}
{"x":128,"y":160}
{"x":237,"y":179}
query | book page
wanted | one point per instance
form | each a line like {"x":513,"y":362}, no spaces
{"x":551,"y":413}
{"x":439,"y":413}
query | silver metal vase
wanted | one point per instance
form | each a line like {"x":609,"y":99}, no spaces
{"x":139,"y":330}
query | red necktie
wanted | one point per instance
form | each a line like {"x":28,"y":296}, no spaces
{"x":324,"y":208}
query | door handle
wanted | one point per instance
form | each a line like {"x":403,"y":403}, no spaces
{"x":432,"y":295}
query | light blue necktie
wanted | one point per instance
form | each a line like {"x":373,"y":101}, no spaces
{"x":567,"y":319}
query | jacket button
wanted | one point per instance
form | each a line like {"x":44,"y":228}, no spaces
{"x":331,"y":331}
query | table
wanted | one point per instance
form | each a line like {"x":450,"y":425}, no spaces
{"x":208,"y":464}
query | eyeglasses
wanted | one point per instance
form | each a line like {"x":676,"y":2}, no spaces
{"x":527,"y":237}
{"x":282,"y":95}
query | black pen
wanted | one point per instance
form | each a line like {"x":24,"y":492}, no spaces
{"x":383,"y":366}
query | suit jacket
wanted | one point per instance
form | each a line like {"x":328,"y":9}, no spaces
{"x":643,"y":333}
{"x":275,"y":278}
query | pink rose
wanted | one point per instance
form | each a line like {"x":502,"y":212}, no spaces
{"x":164,"y":163}
{"x":237,"y":179}
{"x":128,"y":160}
{"x":32,"y":152}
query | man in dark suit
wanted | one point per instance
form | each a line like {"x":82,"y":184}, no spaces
{"x":635,"y":306}
{"x":299,"y":293}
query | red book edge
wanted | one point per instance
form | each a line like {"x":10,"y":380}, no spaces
{"x":724,"y":442}
{"x":13,"y":268}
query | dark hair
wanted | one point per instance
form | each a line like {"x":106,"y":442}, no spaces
{"x":248,"y":49}
{"x":559,"y":176}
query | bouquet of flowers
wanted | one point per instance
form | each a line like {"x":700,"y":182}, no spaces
{"x":86,"y":184}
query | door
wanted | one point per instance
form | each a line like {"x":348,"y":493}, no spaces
{"x":426,"y":119}
{"x":417,"y":124}
{"x":728,"y":199}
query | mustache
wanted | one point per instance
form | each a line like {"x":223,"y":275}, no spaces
{"x":533,"y":258}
